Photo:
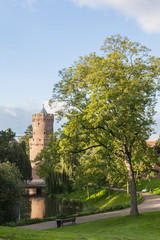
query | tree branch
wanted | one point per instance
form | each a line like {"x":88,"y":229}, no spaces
{"x":99,"y":127}
{"x":82,"y":150}
{"x":93,"y":128}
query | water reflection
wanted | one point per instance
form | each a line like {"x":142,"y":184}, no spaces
{"x":37,"y":207}
{"x":40,"y":205}
{"x":33,"y":205}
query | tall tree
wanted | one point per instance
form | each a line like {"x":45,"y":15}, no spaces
{"x":14,"y":152}
{"x":26,"y":137}
{"x":51,"y":168}
{"x":10,"y":192}
{"x":6,"y":137}
{"x":91,"y":171}
{"x":110,"y":100}
{"x":19,"y":157}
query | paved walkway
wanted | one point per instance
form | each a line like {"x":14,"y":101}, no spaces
{"x":151,"y":203}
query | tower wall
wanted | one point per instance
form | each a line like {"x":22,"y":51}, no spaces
{"x":42,"y":126}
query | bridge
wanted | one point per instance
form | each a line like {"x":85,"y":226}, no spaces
{"x":37,"y":184}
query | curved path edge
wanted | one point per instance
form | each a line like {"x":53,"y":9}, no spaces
{"x":151,"y":203}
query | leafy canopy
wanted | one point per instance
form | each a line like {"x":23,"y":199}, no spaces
{"x":10,"y":192}
{"x":111,"y":96}
{"x":14,"y":152}
{"x":110,"y":102}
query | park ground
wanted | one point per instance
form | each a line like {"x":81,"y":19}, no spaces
{"x":145,"y":226}
{"x":109,"y":225}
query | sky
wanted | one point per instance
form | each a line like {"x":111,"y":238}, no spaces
{"x":38,"y":38}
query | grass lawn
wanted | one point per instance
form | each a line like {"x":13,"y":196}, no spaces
{"x":153,"y":184}
{"x":144,"y":227}
{"x":105,"y":201}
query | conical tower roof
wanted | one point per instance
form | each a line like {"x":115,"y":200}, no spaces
{"x":43,"y":110}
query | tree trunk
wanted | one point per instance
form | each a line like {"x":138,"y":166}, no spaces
{"x":127,"y":187}
{"x":133,"y":194}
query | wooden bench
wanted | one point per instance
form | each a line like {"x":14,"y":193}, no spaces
{"x":66,"y":220}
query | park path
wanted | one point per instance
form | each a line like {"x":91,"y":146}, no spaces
{"x":151,"y":203}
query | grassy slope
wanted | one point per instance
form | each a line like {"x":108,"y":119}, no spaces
{"x":153,"y":184}
{"x":125,"y":227}
{"x":104,"y":202}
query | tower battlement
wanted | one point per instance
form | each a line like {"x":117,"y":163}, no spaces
{"x":43,"y":115}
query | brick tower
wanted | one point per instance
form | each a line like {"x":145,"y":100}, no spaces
{"x":42,"y":124}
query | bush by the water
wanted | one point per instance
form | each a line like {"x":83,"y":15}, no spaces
{"x":10,"y":192}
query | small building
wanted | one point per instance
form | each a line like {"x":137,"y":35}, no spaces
{"x":42,"y":124}
{"x":151,"y":143}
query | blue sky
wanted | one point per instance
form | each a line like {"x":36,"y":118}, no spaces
{"x":40,"y":37}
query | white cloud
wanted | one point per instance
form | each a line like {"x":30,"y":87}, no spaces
{"x":53,"y":109}
{"x":19,"y":118}
{"x":10,"y":110}
{"x":55,"y":106}
{"x":145,"y":12}
{"x":16,"y":118}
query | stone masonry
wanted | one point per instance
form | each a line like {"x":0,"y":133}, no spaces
{"x":42,"y":124}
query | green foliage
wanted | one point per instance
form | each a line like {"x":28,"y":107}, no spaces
{"x":91,"y":170}
{"x":28,"y":221}
{"x":123,"y":227}
{"x":10,"y":192}
{"x":71,"y":206}
{"x":110,"y":102}
{"x":107,"y":200}
{"x":145,"y":159}
{"x":50,"y":167}
{"x":6,"y":137}
{"x":26,"y":137}
{"x":21,"y":159}
{"x":153,"y":184}
{"x":14,"y":152}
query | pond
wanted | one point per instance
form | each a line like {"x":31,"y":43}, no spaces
{"x":40,"y":205}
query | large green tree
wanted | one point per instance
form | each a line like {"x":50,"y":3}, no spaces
{"x":110,"y":101}
{"x":14,"y":152}
{"x":26,"y":137}
{"x":6,"y":137}
{"x":10,"y":192}
{"x":20,"y":158}
{"x":50,"y":167}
